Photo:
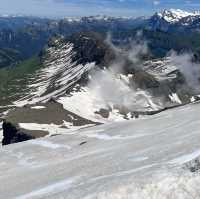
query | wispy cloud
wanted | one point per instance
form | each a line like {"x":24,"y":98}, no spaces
{"x":156,"y":2}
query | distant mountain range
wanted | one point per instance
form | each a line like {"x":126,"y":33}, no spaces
{"x":22,"y":37}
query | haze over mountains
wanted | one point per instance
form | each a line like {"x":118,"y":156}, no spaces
{"x":36,"y":31}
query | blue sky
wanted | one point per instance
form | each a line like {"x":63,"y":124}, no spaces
{"x":60,"y":8}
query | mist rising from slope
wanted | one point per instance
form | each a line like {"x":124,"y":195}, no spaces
{"x":136,"y":50}
{"x":189,"y":68}
{"x":114,"y":88}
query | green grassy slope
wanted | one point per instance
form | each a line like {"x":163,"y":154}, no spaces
{"x":13,"y":80}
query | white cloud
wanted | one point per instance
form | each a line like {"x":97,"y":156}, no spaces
{"x":156,"y":2}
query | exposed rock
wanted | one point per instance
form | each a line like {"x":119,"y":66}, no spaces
{"x":13,"y":135}
{"x":91,"y":47}
{"x":193,"y":166}
{"x":103,"y":112}
{"x":82,"y":143}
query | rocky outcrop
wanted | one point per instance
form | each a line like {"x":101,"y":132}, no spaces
{"x":193,"y":165}
{"x":13,"y":135}
{"x":91,"y":47}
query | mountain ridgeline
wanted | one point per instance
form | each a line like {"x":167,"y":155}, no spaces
{"x":161,"y":31}
{"x":76,"y":72}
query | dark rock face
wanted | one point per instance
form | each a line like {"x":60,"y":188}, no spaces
{"x":103,"y":112}
{"x":157,"y":22}
{"x":193,"y":166}
{"x":12,"y":135}
{"x":91,"y":47}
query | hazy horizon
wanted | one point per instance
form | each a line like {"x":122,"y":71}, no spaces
{"x":73,"y":8}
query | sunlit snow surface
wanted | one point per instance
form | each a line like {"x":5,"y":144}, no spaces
{"x":131,"y":159}
{"x":38,"y":107}
{"x":1,"y":131}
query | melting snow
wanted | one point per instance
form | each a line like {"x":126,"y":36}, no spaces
{"x":54,"y":79}
{"x":53,"y":129}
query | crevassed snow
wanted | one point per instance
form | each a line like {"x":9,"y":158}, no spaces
{"x":147,"y":166}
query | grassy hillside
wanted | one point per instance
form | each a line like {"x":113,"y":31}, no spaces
{"x":13,"y":80}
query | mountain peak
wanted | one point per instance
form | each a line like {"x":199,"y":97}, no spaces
{"x":174,"y":15}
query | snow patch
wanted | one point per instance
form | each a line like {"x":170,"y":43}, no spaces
{"x":53,"y":129}
{"x":174,"y":98}
{"x":38,"y":107}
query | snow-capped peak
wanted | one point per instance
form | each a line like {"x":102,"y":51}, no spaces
{"x":174,"y":15}
{"x":90,"y":18}
{"x":97,"y":18}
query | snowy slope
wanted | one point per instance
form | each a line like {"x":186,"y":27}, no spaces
{"x":106,"y":90}
{"x":111,"y":93}
{"x":161,"y":68}
{"x":131,"y":159}
{"x":57,"y":75}
{"x":1,"y":131}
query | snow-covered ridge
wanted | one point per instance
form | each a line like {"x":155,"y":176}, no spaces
{"x":61,"y":72}
{"x":175,"y":15}
{"x":58,"y":74}
{"x":96,"y":18}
